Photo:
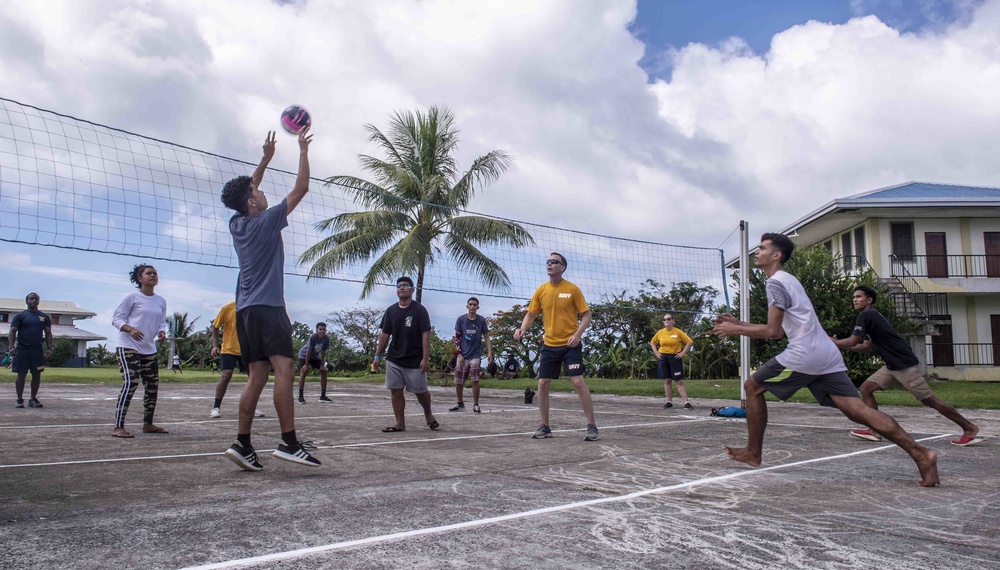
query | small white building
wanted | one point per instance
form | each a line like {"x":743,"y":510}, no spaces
{"x":63,"y":314}
{"x":937,"y":247}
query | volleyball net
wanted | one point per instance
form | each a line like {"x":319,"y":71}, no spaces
{"x":73,"y":184}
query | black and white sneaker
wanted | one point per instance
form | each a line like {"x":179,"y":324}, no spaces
{"x":298,"y":453}
{"x":34,"y":403}
{"x":245,"y":457}
{"x":459,"y":407}
{"x":19,"y":404}
{"x":323,"y":398}
{"x":688,"y":406}
{"x":302,"y":399}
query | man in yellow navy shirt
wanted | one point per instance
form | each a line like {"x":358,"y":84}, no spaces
{"x":565,"y":315}
{"x":231,"y":360}
{"x":670,"y":344}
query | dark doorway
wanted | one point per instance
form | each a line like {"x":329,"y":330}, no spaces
{"x":992,"y":240}
{"x":943,"y":347}
{"x":937,"y":254}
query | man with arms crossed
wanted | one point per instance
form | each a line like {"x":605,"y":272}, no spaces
{"x":408,"y":358}
{"x":262,"y":325}
{"x":226,"y":322}
{"x":27,"y":354}
{"x":313,"y":353}
{"x":470,"y":330}
{"x":901,"y":366}
{"x":565,"y":315}
{"x":810,"y":360}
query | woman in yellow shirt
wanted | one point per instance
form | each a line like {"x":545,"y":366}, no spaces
{"x":670,"y":344}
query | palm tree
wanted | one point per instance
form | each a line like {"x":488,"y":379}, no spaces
{"x":181,"y":327}
{"x":415,"y":208}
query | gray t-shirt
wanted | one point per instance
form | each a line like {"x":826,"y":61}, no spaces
{"x":470,"y":335}
{"x":261,"y":253}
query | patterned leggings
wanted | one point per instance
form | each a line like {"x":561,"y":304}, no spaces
{"x":137,"y":367}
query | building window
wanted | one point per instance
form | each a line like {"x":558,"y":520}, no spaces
{"x":828,"y":245}
{"x":847,"y":251}
{"x":859,"y":245}
{"x":902,"y":240}
{"x":4,"y":317}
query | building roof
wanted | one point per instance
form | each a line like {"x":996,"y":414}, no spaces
{"x":50,"y":307}
{"x":928,"y":192}
{"x":70,"y":331}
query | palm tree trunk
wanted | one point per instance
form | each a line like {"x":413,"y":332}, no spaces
{"x":420,"y":282}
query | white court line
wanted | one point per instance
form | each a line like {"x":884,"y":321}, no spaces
{"x":525,"y":514}
{"x":341,"y":446}
{"x":271,"y":418}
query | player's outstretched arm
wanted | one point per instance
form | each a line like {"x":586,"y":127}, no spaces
{"x":258,"y":174}
{"x":302,"y":180}
{"x":727,"y":325}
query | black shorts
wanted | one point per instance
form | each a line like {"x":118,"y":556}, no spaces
{"x":552,"y":357}
{"x":314,"y":363}
{"x":783,"y":383}
{"x":669,"y":367}
{"x":28,"y":360}
{"x":232,"y":362}
{"x":264,"y":332}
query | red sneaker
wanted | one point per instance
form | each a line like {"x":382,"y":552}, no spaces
{"x":965,"y":441}
{"x":866,"y":434}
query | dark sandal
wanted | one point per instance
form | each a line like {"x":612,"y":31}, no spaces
{"x":434,"y":425}
{"x":392,"y":429}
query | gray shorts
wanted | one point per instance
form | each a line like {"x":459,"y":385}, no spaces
{"x":783,"y":383}
{"x":397,"y":377}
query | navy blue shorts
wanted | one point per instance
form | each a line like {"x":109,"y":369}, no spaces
{"x":552,"y":358}
{"x":28,"y":360}
{"x":314,"y":363}
{"x":233,"y":362}
{"x":264,"y":332}
{"x":669,"y":367}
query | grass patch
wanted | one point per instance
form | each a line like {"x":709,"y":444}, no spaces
{"x":981,"y":395}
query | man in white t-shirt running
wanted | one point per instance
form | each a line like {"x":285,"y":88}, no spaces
{"x":809,"y":361}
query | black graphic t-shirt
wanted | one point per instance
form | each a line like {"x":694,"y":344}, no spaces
{"x":406,"y":327}
{"x":895,"y":351}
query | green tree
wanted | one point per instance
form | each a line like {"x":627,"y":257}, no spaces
{"x":63,"y":348}
{"x":181,"y":327}
{"x":414,"y":206}
{"x":359,"y":327}
{"x":98,"y":355}
{"x":502,"y":325}
{"x":300,"y":335}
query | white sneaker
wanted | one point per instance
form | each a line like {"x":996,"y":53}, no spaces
{"x":257,"y":413}
{"x":216,"y":413}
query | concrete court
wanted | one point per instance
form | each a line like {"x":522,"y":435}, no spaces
{"x":656,"y":491}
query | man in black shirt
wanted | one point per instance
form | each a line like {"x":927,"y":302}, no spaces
{"x":901,"y":366}
{"x":27,"y":354}
{"x":408,"y":359}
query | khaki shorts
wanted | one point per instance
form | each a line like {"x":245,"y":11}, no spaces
{"x":909,"y":378}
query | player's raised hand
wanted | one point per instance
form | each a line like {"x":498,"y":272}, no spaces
{"x":269,"y":143}
{"x":304,"y":140}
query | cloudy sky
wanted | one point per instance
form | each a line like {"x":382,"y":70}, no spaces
{"x":667,"y":121}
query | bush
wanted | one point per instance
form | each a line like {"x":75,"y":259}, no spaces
{"x":63,"y":349}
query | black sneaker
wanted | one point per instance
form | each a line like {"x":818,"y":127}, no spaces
{"x":34,"y":403}
{"x":302,"y":399}
{"x":542,"y":432}
{"x":459,"y":407}
{"x":245,"y":457}
{"x":591,"y":433}
{"x":323,"y":398}
{"x":475,"y":409}
{"x":19,"y":404}
{"x":668,"y":405}
{"x":688,"y":406}
{"x":298,"y":452}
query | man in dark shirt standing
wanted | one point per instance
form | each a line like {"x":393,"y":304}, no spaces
{"x":27,"y":354}
{"x":262,"y":325}
{"x":872,"y":329}
{"x":408,"y":359}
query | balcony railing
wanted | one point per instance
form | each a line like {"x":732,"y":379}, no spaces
{"x":963,"y":354}
{"x":942,"y":266}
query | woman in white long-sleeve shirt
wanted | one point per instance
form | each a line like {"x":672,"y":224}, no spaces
{"x":142,"y":319}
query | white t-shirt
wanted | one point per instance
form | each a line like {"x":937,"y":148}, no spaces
{"x":809,"y":350}
{"x":147,"y":313}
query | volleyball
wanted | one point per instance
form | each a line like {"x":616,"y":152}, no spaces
{"x":295,"y":118}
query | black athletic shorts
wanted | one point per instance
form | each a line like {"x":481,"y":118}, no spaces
{"x":314,"y":363}
{"x":783,"y":382}
{"x":28,"y":360}
{"x":233,"y":362}
{"x":264,"y":332}
{"x":669,"y":367}
{"x":552,"y":357}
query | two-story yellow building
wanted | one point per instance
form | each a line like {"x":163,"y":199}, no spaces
{"x":937,"y":247}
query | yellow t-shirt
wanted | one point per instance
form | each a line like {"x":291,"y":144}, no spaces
{"x":561,"y":306}
{"x":672,"y":341}
{"x":226,"y":320}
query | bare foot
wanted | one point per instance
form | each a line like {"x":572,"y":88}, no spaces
{"x":741,"y":454}
{"x":928,"y":469}
{"x":972,"y":433}
{"x":150,"y":428}
{"x":120,"y":432}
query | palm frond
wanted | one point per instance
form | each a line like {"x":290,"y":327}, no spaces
{"x":470,"y":258}
{"x":484,"y":170}
{"x":490,"y":231}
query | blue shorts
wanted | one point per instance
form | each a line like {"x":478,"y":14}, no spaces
{"x":670,"y":367}
{"x":28,"y":360}
{"x":233,"y":362}
{"x":552,"y":358}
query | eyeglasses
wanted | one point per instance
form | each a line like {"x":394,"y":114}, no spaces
{"x":552,"y":262}
{"x":404,"y":287}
